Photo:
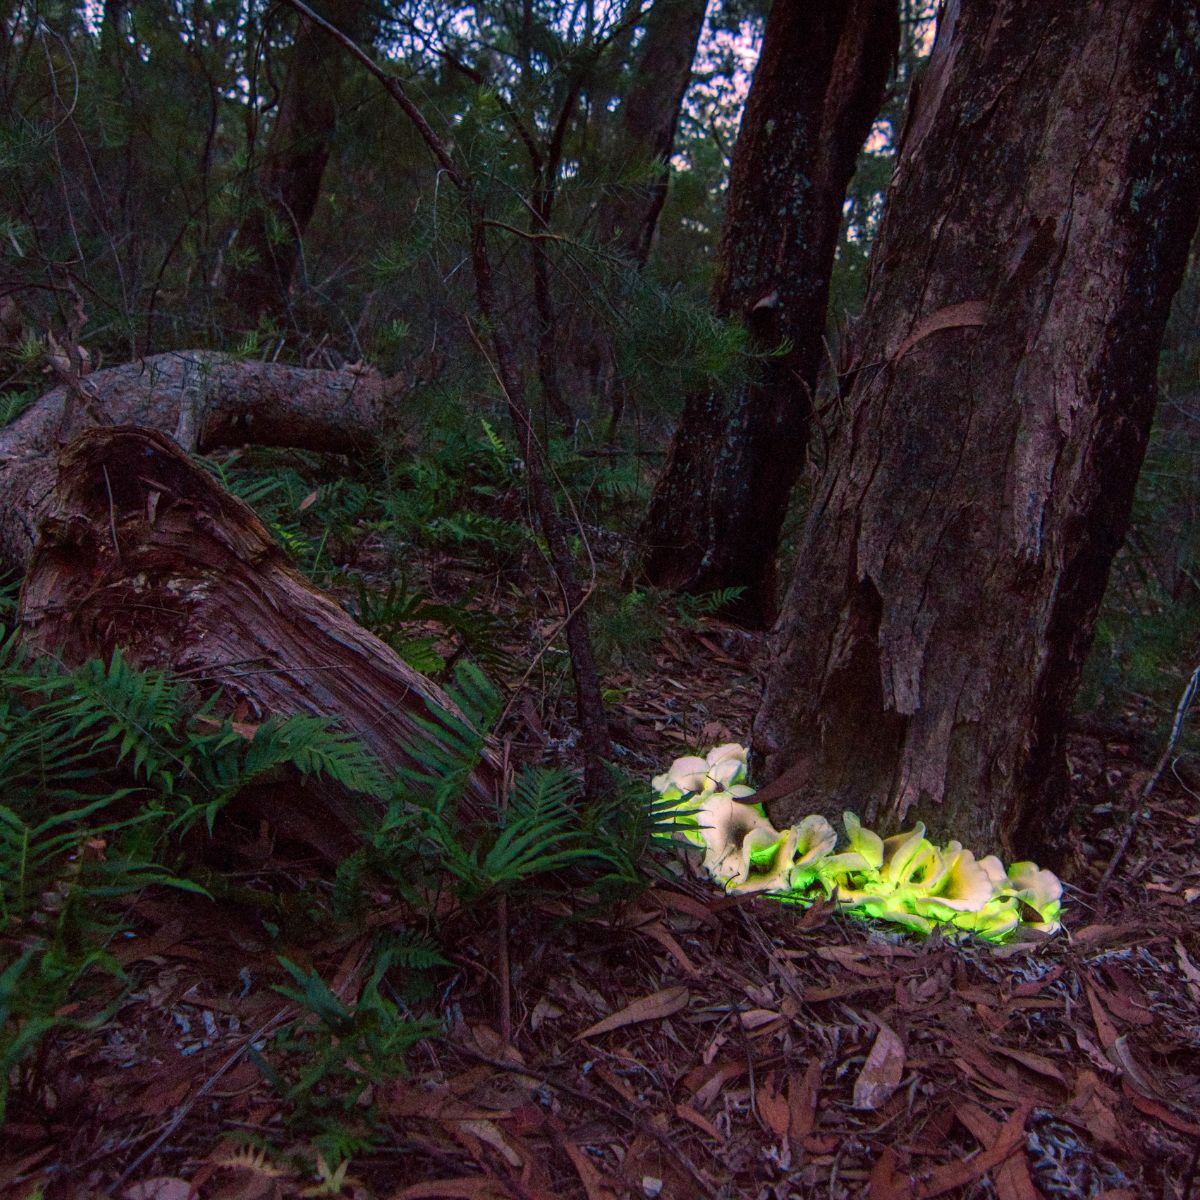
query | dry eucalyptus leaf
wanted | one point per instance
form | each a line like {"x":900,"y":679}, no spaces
{"x":881,"y":1073}
{"x":649,"y":1008}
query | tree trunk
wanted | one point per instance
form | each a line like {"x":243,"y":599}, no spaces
{"x":718,"y":508}
{"x":645,"y":123}
{"x":1001,"y":389}
{"x":139,"y":547}
{"x":289,"y":181}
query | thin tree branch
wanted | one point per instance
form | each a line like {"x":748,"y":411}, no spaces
{"x":395,"y":89}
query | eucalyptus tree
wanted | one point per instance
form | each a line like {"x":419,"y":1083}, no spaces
{"x":998,"y":394}
{"x":287,"y":184}
{"x":642,"y":137}
{"x":718,"y":506}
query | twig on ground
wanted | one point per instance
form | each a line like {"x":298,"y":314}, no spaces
{"x":634,"y":1121}
{"x":1181,"y":709}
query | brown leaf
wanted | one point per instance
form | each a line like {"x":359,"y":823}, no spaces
{"x":802,"y":1100}
{"x":1122,"y":1055}
{"x":1186,"y":965}
{"x":658,"y":932}
{"x":492,"y":1045}
{"x":687,"y":905}
{"x":822,"y":1143}
{"x":163,"y":1187}
{"x":654,"y":1007}
{"x":955,"y":1175}
{"x":880,"y":1075}
{"x":707,"y":1092}
{"x":1092,"y":1106}
{"x":687,"y":1113}
{"x":1034,"y":986}
{"x":1126,"y":1000}
{"x":135,"y":949}
{"x":1152,"y":1108}
{"x":1035,"y":1062}
{"x":1105,"y":1029}
{"x":594,"y":1185}
{"x":469,"y":1187}
{"x":1091,"y":934}
{"x":489,"y":1133}
{"x":308,"y":501}
{"x":842,"y":991}
{"x":952,"y":316}
{"x":850,"y":957}
{"x":618,"y":1085}
{"x":1012,"y":1178}
{"x":887,"y":1182}
{"x":772,"y":1107}
{"x":756,"y":1018}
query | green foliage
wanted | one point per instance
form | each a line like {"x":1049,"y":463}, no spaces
{"x":10,"y":590}
{"x":331,"y":1057}
{"x":101,"y":766}
{"x":670,"y":344}
{"x":461,"y":493}
{"x":690,"y":608}
{"x":13,"y":404}
{"x":391,"y":616}
{"x":427,"y":839}
{"x":96,"y":766}
{"x":367,"y":1042}
{"x":1146,"y":643}
{"x":626,"y":627}
{"x":308,"y":521}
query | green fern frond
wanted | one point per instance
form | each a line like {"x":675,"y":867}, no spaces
{"x":504,"y":456}
{"x":138,"y":712}
{"x":314,"y":748}
{"x":407,"y":949}
{"x":475,"y":696}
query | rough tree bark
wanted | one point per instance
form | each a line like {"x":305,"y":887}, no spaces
{"x":644,"y":125}
{"x":139,"y":547}
{"x":289,"y":182}
{"x":1001,"y":387}
{"x":718,"y":508}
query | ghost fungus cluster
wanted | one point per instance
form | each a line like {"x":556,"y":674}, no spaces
{"x":905,"y":879}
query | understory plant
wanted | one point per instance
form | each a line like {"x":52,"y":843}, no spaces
{"x":542,"y":835}
{"x":906,"y":879}
{"x":101,"y":768}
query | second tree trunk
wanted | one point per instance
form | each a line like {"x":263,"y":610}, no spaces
{"x":718,"y":508}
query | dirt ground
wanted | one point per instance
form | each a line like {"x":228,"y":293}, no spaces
{"x":689,"y":1045}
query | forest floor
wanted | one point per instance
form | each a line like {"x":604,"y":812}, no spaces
{"x":687,"y":1044}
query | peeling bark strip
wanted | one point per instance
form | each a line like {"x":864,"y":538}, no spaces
{"x":718,"y":508}
{"x":960,"y":541}
{"x":206,"y":400}
{"x":144,"y":550}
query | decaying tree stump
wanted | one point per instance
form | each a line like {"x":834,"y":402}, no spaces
{"x":125,"y":541}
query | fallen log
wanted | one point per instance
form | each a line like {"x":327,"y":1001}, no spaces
{"x":204,"y":400}
{"x":126,"y":541}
